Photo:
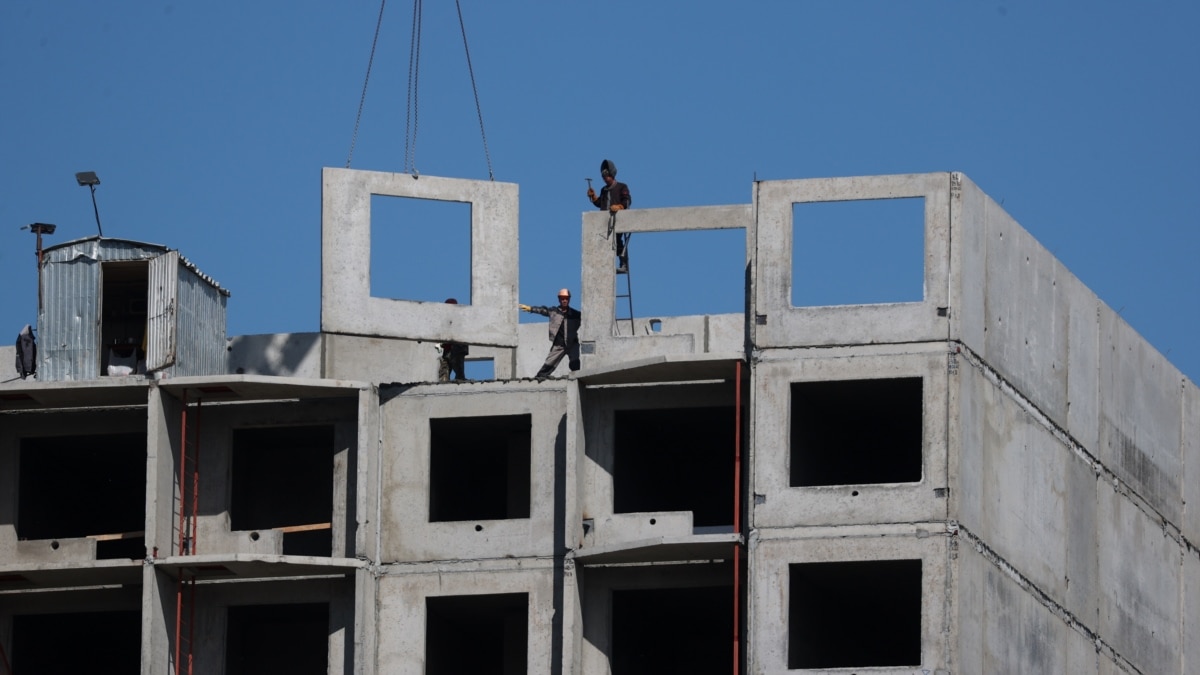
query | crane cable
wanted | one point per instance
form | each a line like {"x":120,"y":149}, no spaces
{"x":478,"y":109}
{"x":414,"y":73}
{"x":363,"y":99}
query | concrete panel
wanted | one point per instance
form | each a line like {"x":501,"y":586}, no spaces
{"x":778,"y":324}
{"x":400,"y":629}
{"x":1020,"y":487}
{"x":1191,"y":463}
{"x":777,"y":504}
{"x":968,"y":253}
{"x":1026,"y":315}
{"x":407,"y":533}
{"x":1141,"y":423}
{"x":1139,"y":586}
{"x":607,"y":343}
{"x":1083,"y":363}
{"x":769,"y":560}
{"x":598,"y":465}
{"x":286,"y":354}
{"x":1190,"y":659}
{"x":346,"y":302}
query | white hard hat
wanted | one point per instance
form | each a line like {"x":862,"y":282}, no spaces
{"x":564,"y":292}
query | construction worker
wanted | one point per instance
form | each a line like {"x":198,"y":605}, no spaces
{"x":453,"y":357}
{"x":614,"y":196}
{"x":564,"y":333}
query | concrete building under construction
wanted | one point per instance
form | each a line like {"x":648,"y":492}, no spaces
{"x":999,"y":477}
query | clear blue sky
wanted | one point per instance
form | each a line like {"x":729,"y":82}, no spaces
{"x":209,"y":122}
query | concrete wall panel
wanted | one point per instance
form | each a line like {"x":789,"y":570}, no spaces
{"x":776,"y":504}
{"x":778,"y":324}
{"x":283,"y":354}
{"x":1139,"y":586}
{"x":407,"y":534}
{"x":347,"y":305}
{"x":1191,"y":463}
{"x":773,"y":552}
{"x":400,"y":629}
{"x":1141,"y":424}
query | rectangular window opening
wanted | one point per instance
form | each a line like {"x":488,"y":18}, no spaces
{"x":85,"y":486}
{"x":854,"y":614}
{"x":477,"y":634}
{"x":481,"y":369}
{"x":283,"y":479}
{"x":672,"y":630}
{"x":479,"y":468}
{"x":675,"y":459}
{"x":858,"y":252}
{"x":850,"y":432}
{"x":420,"y":249}
{"x":77,"y":642}
{"x":709,"y":264}
{"x":291,"y":639}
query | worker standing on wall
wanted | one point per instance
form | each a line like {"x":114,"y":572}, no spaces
{"x":564,"y":333}
{"x":453,"y":358}
{"x":614,"y":196}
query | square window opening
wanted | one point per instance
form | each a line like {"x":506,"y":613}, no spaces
{"x":851,"y":432}
{"x":854,"y":614}
{"x":477,"y":634}
{"x":672,"y":630}
{"x":420,"y":249}
{"x":85,"y":486}
{"x":858,"y":252}
{"x":481,"y":369}
{"x":282,"y":478}
{"x":77,"y":642}
{"x":710,"y":264}
{"x":479,"y":468}
{"x":291,"y":639}
{"x":675,"y":459}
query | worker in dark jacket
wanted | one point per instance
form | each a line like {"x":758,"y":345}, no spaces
{"x":564,"y":333}
{"x":26,"y":352}
{"x":613,"y":197}
{"x":453,"y":357}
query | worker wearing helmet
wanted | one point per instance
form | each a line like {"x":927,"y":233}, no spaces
{"x":564,"y":333}
{"x":452,"y":357}
{"x":614,"y":196}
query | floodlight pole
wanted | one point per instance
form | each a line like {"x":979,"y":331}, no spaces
{"x":39,"y":229}
{"x":96,"y":210}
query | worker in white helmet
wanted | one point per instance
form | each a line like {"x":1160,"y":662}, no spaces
{"x":564,"y":333}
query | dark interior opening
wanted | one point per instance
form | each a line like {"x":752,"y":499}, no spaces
{"x":477,"y":634}
{"x":856,"y":432}
{"x":672,"y":630}
{"x":78,"y":486}
{"x":85,"y":642}
{"x":479,"y":468}
{"x":123,"y":327}
{"x":856,"y":614}
{"x":291,"y":639}
{"x":283,"y":477}
{"x":675,"y":459}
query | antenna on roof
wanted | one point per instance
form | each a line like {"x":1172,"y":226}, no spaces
{"x":90,"y":179}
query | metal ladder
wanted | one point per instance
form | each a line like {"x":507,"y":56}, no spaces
{"x":628,"y":294}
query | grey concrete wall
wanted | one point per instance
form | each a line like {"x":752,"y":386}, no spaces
{"x":772,"y":550}
{"x":605,"y":342}
{"x":282,"y":354}
{"x":407,"y":533}
{"x":347,"y":305}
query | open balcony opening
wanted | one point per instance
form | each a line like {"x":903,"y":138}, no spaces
{"x":855,"y":614}
{"x":672,"y":630}
{"x":478,"y":634}
{"x":85,"y":642}
{"x":675,"y":459}
{"x":85,"y":486}
{"x":283,"y":479}
{"x":479,"y":468}
{"x":856,"y":432}
{"x":291,"y":639}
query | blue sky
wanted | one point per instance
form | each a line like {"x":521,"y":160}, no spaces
{"x":208,"y":124}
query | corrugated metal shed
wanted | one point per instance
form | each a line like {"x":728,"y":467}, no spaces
{"x":182,"y":332}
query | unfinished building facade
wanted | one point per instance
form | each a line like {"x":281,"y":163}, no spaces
{"x":991,"y":477}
